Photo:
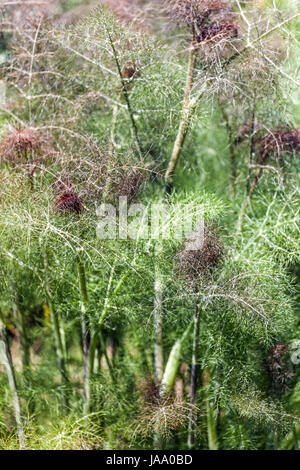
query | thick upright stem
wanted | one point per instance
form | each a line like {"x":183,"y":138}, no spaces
{"x":6,"y":356}
{"x":169,"y":376}
{"x":194,"y":377}
{"x":23,"y":344}
{"x":186,"y":112}
{"x":22,"y":333}
{"x":158,"y":317}
{"x":211,"y":422}
{"x":173,"y":362}
{"x":85,"y":331}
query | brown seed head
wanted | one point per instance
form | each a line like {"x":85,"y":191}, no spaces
{"x":130,"y":69}
{"x":216,"y":32}
{"x":195,"y":12}
{"x":149,"y":391}
{"x":23,"y":144}
{"x":157,"y":412}
{"x":130,"y":184}
{"x":200,"y":254}
{"x":68,"y":201}
{"x":278,"y":141}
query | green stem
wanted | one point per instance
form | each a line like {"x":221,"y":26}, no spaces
{"x":194,"y":376}
{"x":291,"y":441}
{"x":211,"y":421}
{"x":169,"y":376}
{"x":5,"y":352}
{"x":112,"y":131}
{"x":104,"y":351}
{"x":158,"y":316}
{"x":22,"y":332}
{"x":242,"y":214}
{"x":232,"y":151}
{"x":125,"y":93}
{"x":24,"y":345}
{"x":57,"y":332}
{"x":173,"y":362}
{"x":85,"y":331}
{"x":186,"y":112}
{"x":95,"y":333}
{"x":94,"y":340}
